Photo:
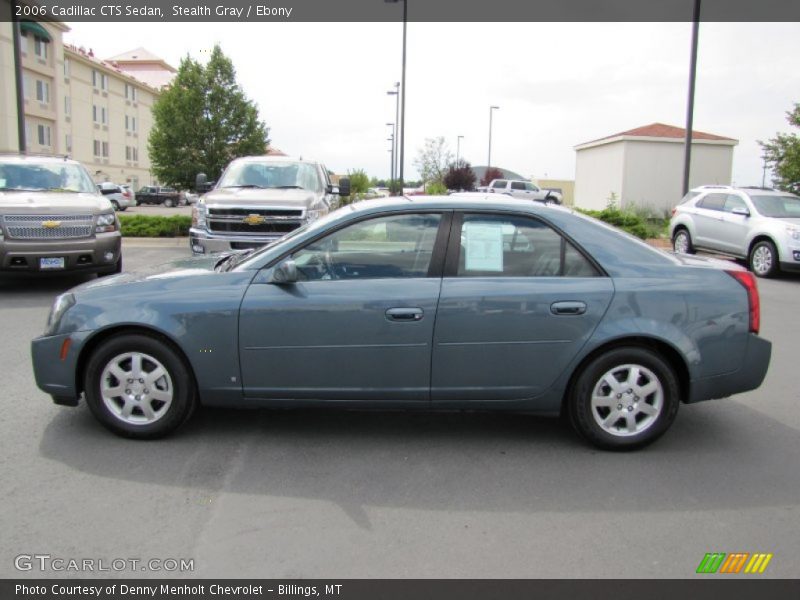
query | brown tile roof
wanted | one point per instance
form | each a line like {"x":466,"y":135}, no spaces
{"x":660,"y":130}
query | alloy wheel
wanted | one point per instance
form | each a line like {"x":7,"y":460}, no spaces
{"x":627,"y":400}
{"x":136,"y":388}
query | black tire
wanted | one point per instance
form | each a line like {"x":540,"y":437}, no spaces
{"x":584,"y":417}
{"x":680,"y":237}
{"x":181,"y":385}
{"x":763,"y":260}
{"x":169,"y":203}
{"x":115,"y":204}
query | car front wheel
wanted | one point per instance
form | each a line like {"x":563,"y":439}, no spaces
{"x":624,"y":399}
{"x":138,"y":387}
{"x":763,"y":260}
{"x":682,"y":242}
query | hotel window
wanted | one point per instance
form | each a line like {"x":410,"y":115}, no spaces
{"x":130,"y":123}
{"x":42,"y":91}
{"x":135,"y":153}
{"x":44,"y":135}
{"x":67,"y":105}
{"x":127,"y":153}
{"x":40,"y":48}
{"x":97,"y":147}
{"x":130,"y":92}
{"x":105,"y":149}
{"x":99,"y":80}
{"x":68,"y":142}
{"x":99,"y":114}
{"x":66,"y":67}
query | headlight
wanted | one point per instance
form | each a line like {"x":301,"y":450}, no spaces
{"x":312,"y":215}
{"x":793,"y":232}
{"x":106,"y":223}
{"x":60,"y":306}
{"x":199,"y":215}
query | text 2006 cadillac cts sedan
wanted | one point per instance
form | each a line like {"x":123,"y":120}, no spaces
{"x":466,"y":302}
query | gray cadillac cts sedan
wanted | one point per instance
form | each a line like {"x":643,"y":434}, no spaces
{"x":465,"y":302}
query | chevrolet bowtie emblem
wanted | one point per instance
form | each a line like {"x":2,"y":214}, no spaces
{"x":254,"y":220}
{"x":51,"y":224}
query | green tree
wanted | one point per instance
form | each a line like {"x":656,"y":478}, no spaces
{"x":432,"y":160}
{"x":202,"y":122}
{"x":783,"y":153}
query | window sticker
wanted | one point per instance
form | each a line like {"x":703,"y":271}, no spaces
{"x":483,"y":247}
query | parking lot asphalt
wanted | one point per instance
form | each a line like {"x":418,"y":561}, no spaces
{"x":349,"y":494}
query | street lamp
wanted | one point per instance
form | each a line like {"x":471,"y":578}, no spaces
{"x":403,"y":91}
{"x":391,"y":169}
{"x":489,"y":161}
{"x":458,"y":149}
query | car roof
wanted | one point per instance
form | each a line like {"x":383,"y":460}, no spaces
{"x":750,"y":190}
{"x":457,"y":201}
{"x":15,"y":158}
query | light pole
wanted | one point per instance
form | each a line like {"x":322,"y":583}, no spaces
{"x":489,"y":161}
{"x":764,"y":173}
{"x":402,"y":119}
{"x":396,"y":93}
{"x":687,"y":152}
{"x":391,"y":150}
{"x":458,"y":149}
{"x":391,"y":169}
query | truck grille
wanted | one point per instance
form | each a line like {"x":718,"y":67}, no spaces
{"x":254,"y":221}
{"x":48,"y":227}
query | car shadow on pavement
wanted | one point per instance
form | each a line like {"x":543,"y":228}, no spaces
{"x":720,"y":455}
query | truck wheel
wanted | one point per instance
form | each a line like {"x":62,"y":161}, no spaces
{"x":169,"y":203}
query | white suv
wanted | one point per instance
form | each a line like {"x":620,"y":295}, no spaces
{"x":760,"y":225}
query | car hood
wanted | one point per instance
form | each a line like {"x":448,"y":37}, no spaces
{"x":52,"y":203}
{"x":178,"y":269}
{"x":258,"y":197}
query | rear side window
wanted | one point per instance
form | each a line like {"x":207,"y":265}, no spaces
{"x":713,"y":201}
{"x":511,"y":246}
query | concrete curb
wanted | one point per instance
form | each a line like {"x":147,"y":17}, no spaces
{"x":175,"y":242}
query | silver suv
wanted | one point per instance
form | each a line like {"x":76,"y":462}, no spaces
{"x":258,"y":200}
{"x":53,"y":219}
{"x":760,"y":225}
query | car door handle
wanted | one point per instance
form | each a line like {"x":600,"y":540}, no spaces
{"x":568,"y":308}
{"x":405,"y":315}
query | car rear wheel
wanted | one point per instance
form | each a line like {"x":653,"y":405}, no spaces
{"x":682,"y":242}
{"x":763,"y":260}
{"x":624,"y":399}
{"x":115,"y":204}
{"x":138,"y":387}
{"x":169,"y":203}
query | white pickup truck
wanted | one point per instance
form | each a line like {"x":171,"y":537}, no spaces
{"x":521,"y":189}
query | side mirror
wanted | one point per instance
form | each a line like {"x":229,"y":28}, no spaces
{"x":284,"y":274}
{"x":201,"y":183}
{"x":741,"y":210}
{"x":344,"y":186}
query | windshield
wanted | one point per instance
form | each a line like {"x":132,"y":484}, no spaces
{"x":52,"y":176}
{"x":782,"y":207}
{"x":272,"y":175}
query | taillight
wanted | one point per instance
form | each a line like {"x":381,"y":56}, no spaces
{"x":674,"y":210}
{"x":748,"y":281}
{"x":126,"y":193}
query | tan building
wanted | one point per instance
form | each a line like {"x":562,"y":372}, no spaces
{"x":643,"y":167}
{"x":76,"y":104}
{"x":567,"y":187}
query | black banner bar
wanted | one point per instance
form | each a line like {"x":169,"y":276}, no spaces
{"x":392,"y":10}
{"x":736,"y":588}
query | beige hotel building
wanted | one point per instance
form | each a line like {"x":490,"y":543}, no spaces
{"x":96,"y":111}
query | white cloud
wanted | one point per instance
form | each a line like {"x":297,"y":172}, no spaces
{"x":321,"y":87}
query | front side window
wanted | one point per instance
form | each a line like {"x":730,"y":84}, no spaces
{"x":398,"y":246}
{"x":733,"y":201}
{"x":512,"y":246}
{"x":517,"y":185}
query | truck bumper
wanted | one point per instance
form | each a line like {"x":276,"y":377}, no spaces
{"x":203,"y":242}
{"x":99,"y":253}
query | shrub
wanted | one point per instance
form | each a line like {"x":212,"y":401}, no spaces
{"x":625,"y":220}
{"x":154,"y":226}
{"x":437,"y":188}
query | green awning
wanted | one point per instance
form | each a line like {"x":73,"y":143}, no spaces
{"x":35,"y":29}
